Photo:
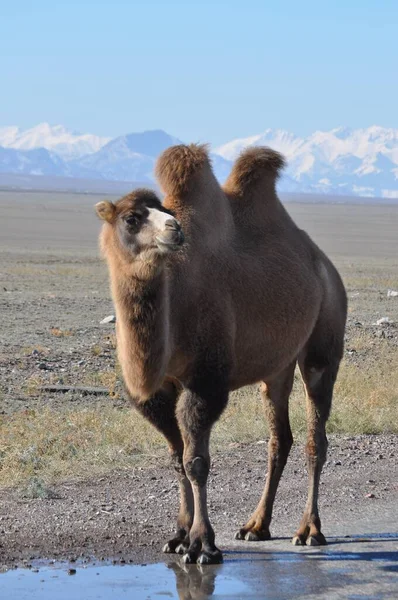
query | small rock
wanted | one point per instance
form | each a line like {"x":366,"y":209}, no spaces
{"x":45,"y":367}
{"x":337,"y":463}
{"x":71,"y":571}
{"x":370,"y":496}
{"x":384,"y":321}
{"x":392,"y":294}
{"x":110,"y":319}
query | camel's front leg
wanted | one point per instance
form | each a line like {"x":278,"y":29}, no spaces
{"x":196,"y":412}
{"x":160,"y":411}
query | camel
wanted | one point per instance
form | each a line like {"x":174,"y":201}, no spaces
{"x":216,"y":289}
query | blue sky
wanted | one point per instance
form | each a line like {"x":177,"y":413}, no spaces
{"x":207,"y":70}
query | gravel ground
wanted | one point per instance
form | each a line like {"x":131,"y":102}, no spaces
{"x":128,"y":517}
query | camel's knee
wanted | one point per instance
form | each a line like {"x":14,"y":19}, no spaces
{"x":197,"y":470}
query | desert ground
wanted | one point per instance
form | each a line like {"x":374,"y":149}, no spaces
{"x":82,"y":476}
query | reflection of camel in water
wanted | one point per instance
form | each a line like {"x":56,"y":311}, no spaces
{"x":246,"y":298}
{"x":194,"y":582}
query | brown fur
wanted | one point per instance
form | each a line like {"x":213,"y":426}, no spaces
{"x":178,"y":165}
{"x":254,"y":167}
{"x":247,"y":297}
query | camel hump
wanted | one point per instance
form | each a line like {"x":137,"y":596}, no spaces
{"x":179,"y":165}
{"x":252,"y":166}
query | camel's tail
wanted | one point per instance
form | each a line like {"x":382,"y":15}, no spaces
{"x":178,"y":165}
{"x":254,"y":165}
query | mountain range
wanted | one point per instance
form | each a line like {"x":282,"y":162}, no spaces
{"x":342,"y":161}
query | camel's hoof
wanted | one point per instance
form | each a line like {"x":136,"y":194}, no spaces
{"x":174,"y":547}
{"x":298,"y":540}
{"x":189,"y":558}
{"x":181,"y":548}
{"x":316,"y":540}
{"x":252,"y":536}
{"x":210,"y":558}
{"x":257,"y":536}
{"x":204,"y":557}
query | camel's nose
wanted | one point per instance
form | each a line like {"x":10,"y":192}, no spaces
{"x":172,"y":224}
{"x":173,"y":231}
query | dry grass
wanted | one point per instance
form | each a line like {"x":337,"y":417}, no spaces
{"x":51,"y":270}
{"x":365,"y":401}
{"x":51,"y":445}
{"x":369,"y":277}
{"x":57,"y":332}
{"x":108,"y":379}
{"x":28,"y":350}
{"x":32,"y":385}
{"x":96,"y":350}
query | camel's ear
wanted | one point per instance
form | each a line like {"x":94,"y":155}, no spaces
{"x":106,"y":210}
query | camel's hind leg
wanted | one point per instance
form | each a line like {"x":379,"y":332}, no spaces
{"x":275,"y":395}
{"x":319,"y":384}
{"x":160,"y":411}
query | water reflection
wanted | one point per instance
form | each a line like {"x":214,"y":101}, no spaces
{"x":194,"y":582}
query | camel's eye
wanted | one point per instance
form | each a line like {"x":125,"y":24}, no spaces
{"x":133,"y":220}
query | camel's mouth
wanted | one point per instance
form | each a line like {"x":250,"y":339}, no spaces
{"x":170,"y":241}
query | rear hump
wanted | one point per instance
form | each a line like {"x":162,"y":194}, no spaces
{"x":258,"y":165}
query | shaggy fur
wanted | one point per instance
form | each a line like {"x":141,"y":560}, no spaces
{"x":246,"y":298}
{"x":178,"y":165}
{"x":253,"y":167}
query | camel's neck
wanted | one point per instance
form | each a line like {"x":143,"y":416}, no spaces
{"x":142,"y":326}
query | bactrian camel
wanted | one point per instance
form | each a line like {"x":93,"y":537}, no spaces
{"x":216,"y":289}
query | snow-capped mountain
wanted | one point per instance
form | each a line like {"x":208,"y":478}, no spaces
{"x":129,"y":157}
{"x":40,"y":161}
{"x":360,"y":162}
{"x":132,"y":157}
{"x":32,"y":162}
{"x":67,"y":144}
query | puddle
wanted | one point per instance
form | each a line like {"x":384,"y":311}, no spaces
{"x":134,"y":582}
{"x":329,"y":573}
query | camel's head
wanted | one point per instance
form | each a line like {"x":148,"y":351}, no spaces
{"x":141,"y":225}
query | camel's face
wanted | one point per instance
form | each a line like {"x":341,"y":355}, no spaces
{"x":143,"y":226}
